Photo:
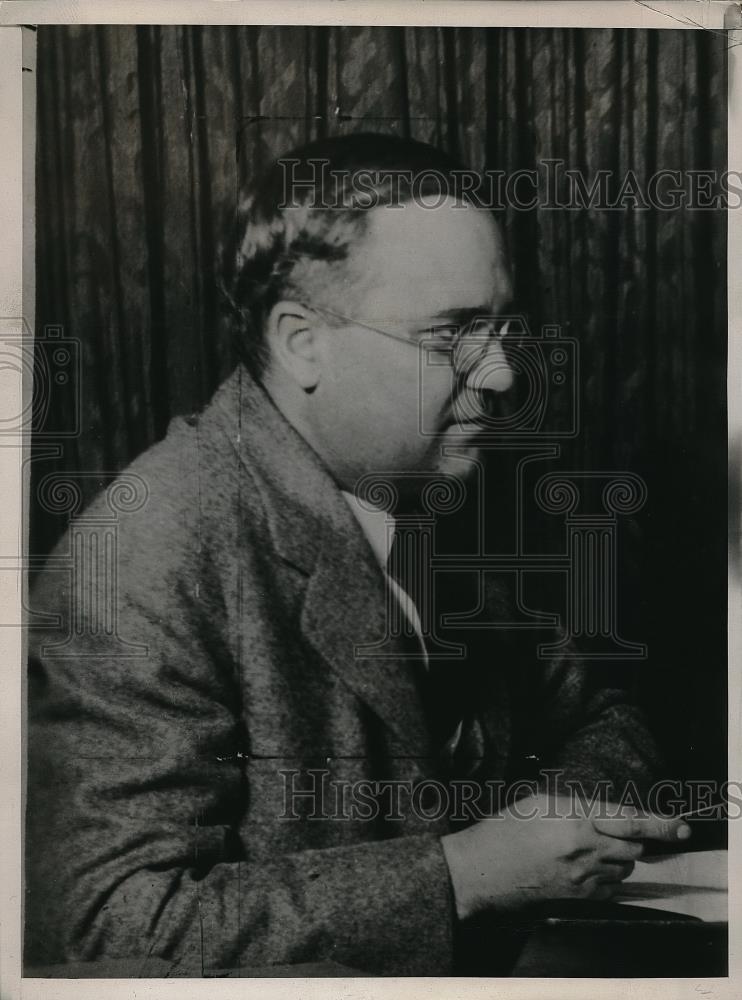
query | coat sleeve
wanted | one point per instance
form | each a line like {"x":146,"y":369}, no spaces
{"x":587,"y":730}
{"x":575,"y":718}
{"x":597,"y":733}
{"x":134,"y":794}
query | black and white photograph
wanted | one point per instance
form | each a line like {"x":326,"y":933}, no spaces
{"x":377,"y":504}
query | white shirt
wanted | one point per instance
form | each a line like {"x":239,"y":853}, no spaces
{"x":378,"y":527}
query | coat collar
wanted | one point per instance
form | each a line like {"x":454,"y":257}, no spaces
{"x":300,"y":499}
{"x":313,"y":528}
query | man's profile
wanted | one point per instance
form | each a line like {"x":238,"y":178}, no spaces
{"x":188,"y":802}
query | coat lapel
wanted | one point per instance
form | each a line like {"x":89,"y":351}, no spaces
{"x":313,"y":528}
{"x":345,"y":613}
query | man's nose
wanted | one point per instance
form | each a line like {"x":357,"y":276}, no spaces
{"x":491,"y":371}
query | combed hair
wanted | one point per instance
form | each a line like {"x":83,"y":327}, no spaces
{"x":308,"y":209}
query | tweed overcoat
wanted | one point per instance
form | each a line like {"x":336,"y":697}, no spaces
{"x":168,"y":751}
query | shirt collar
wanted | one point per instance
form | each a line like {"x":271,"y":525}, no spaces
{"x":377,"y":525}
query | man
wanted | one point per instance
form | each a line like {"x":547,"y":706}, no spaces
{"x":176,"y":796}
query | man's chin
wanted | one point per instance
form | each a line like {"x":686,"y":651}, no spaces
{"x":457,"y":456}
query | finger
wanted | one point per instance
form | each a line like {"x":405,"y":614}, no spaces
{"x":615,"y":849}
{"x":608,"y":871}
{"x":596,"y":888}
{"x":615,"y":872}
{"x":643,"y":828}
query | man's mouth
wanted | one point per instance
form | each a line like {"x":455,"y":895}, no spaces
{"x":467,"y":427}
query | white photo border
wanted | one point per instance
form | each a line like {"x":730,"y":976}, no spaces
{"x":17,"y":207}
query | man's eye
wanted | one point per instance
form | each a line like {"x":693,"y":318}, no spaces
{"x":444,"y":337}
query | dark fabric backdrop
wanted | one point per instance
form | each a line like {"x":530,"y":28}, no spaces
{"x":147,"y":134}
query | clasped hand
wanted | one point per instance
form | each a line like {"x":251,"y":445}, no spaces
{"x":544,"y":849}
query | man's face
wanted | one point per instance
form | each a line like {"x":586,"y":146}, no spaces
{"x":388,"y":405}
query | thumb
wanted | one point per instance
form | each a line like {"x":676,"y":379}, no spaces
{"x":643,"y":828}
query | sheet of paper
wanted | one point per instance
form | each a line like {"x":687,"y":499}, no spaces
{"x":694,"y":883}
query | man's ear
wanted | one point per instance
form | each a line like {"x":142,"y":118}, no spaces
{"x":292,"y":332}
